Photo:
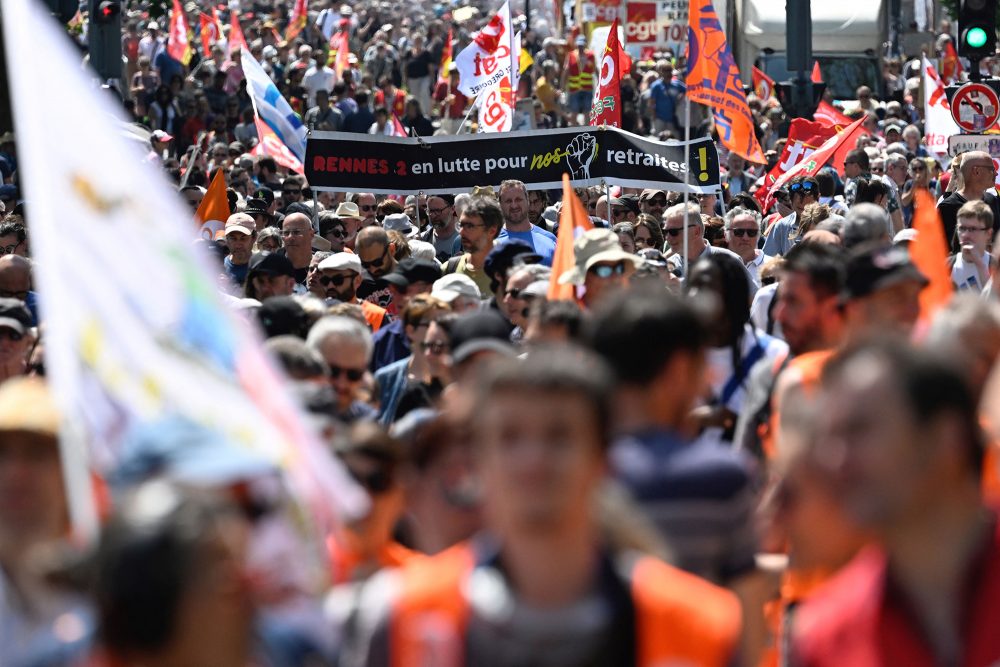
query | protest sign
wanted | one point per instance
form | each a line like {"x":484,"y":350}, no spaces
{"x":391,"y":165}
{"x":659,"y":25}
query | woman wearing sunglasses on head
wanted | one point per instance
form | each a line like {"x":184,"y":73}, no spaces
{"x":802,"y":191}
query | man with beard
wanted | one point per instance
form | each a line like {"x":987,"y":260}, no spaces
{"x":442,"y":233}
{"x":340,"y":277}
{"x":239,"y":240}
{"x":478,"y":228}
{"x":514,"y":204}
{"x":377,"y":255}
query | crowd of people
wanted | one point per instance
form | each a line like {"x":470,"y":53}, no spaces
{"x":744,"y":439}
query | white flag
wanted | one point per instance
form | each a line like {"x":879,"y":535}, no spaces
{"x":938,"y":123}
{"x":487,"y":60}
{"x":136,"y":332}
{"x":272,"y":108}
{"x":497,"y":103}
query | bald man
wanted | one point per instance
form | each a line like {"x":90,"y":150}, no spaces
{"x":297,"y":234}
{"x":978,"y":175}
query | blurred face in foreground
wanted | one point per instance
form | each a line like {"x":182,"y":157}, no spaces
{"x":32,"y":503}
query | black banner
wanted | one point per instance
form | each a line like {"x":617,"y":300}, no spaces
{"x":456,"y":163}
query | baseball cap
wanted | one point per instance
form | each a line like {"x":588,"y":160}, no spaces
{"x":267,"y":194}
{"x":26,"y":405}
{"x":341,"y":261}
{"x":412,"y":270}
{"x":398,"y":222}
{"x":15,"y":315}
{"x":592,"y":247}
{"x":271,"y":263}
{"x":256,"y":206}
{"x":649,"y":193}
{"x":481,"y":331}
{"x":893,"y":125}
{"x":872,"y":268}
{"x":240,"y":222}
{"x":631,"y":202}
{"x":455,"y":285}
{"x":282,"y":315}
{"x":503,"y":256}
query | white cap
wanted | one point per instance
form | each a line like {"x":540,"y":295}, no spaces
{"x":902,"y":235}
{"x":539,"y":288}
{"x":453,"y":286}
{"x":341,"y":261}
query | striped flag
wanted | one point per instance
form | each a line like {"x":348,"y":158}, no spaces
{"x":446,"y":54}
{"x":273,"y":109}
{"x":297,"y":21}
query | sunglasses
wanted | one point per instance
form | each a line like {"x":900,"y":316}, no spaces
{"x":326,"y":281}
{"x":353,"y":374}
{"x":644,"y":241}
{"x":370,"y":207}
{"x":514,"y":293}
{"x":608,"y":270}
{"x":11,"y":335}
{"x":9,"y":250}
{"x":749,"y":233}
{"x":376,"y":481}
{"x":435,"y":348}
{"x":674,"y":231}
{"x":292,"y":192}
{"x":377,"y":262}
{"x":805,"y":187}
{"x":339,"y":233}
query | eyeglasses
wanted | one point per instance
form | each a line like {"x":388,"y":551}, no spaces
{"x":435,"y":348}
{"x":353,"y":374}
{"x":368,"y":207}
{"x":749,"y":233}
{"x":469,"y":225}
{"x":292,"y":192}
{"x":608,"y":270}
{"x":963,"y":229}
{"x":292,"y":232}
{"x":514,"y":293}
{"x":617,"y":213}
{"x":805,"y":187}
{"x":9,"y":250}
{"x":11,"y":335}
{"x":644,"y":241}
{"x":657,"y":201}
{"x":326,"y":281}
{"x":878,"y":170}
{"x":437,"y":211}
{"x":376,"y":262}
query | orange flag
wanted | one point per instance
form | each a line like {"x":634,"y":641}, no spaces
{"x":572,"y":218}
{"x":213,"y":211}
{"x":817,"y":74}
{"x":713,"y":79}
{"x":236,"y":38}
{"x":951,"y":66}
{"x":930,"y":254}
{"x":446,"y":57}
{"x":297,"y":21}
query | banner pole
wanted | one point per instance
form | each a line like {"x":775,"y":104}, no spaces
{"x":468,"y":113}
{"x":687,"y":178}
{"x":607,"y":195}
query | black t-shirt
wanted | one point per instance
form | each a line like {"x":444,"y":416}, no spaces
{"x":418,"y":66}
{"x":948,"y":209}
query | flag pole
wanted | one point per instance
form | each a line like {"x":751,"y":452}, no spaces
{"x":607,"y":195}
{"x":467,"y":114}
{"x":687,"y":177}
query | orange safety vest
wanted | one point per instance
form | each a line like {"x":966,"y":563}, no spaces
{"x":577,"y":79}
{"x":374,"y":315}
{"x":344,"y":561}
{"x":680,"y":619}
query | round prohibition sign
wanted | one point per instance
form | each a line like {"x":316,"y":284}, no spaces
{"x":975,"y":107}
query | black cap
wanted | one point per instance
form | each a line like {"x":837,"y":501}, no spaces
{"x":15,"y":315}
{"x":484,"y":330}
{"x":282,"y":315}
{"x":256,"y":207}
{"x":412,"y":270}
{"x":631,"y":202}
{"x":503,"y":256}
{"x":271,"y":263}
{"x":267,"y":194}
{"x":872,"y":268}
{"x":298,"y":207}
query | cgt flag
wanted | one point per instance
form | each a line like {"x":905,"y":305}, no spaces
{"x":938,"y":121}
{"x":120,"y":363}
{"x":763,"y":85}
{"x":713,"y":79}
{"x":297,"y":21}
{"x":804,"y":137}
{"x":487,"y":60}
{"x":236,"y":38}
{"x":179,"y":41}
{"x":213,"y":211}
{"x":606,"y":109}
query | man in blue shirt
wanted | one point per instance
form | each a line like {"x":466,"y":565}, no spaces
{"x":514,"y":204}
{"x":664,"y":93}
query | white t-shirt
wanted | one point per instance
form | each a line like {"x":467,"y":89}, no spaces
{"x":965,"y":275}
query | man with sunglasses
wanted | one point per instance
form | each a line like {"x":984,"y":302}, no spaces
{"x":978,"y":176}
{"x":742,"y":231}
{"x":291,"y":191}
{"x":377,"y":255}
{"x":13,"y":239}
{"x":17,"y":338}
{"x":333,"y":229}
{"x":602,"y":267}
{"x":339,"y":277}
{"x":802,"y":191}
{"x":442,"y":233}
{"x":368,"y":206}
{"x":653,"y":202}
{"x":346,"y":346}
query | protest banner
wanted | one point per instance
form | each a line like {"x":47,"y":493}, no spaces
{"x":454,"y":164}
{"x":659,"y":26}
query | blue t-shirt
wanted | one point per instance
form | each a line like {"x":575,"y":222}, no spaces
{"x":238,"y":272}
{"x":543,"y":242}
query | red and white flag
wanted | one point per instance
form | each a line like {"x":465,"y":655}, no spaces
{"x":270,"y":144}
{"x":804,"y":137}
{"x":398,"y":130}
{"x":938,"y":122}
{"x":179,"y":40}
{"x":236,"y":38}
{"x":497,"y":102}
{"x":606,"y":108}
{"x":487,"y":60}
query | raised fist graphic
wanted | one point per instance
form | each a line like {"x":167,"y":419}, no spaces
{"x":580,"y":153}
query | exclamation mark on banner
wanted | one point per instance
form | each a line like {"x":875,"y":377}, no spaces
{"x":703,"y":163}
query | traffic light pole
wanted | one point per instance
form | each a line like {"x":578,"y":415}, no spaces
{"x":104,"y":39}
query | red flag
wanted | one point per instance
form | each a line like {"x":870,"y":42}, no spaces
{"x":206,"y":31}
{"x":951,"y":66}
{"x":828,"y":115}
{"x":572,"y":218}
{"x":763,"y":85}
{"x":340,"y":48}
{"x":270,"y":144}
{"x":397,"y":127}
{"x":816,"y":161}
{"x":213,"y":211}
{"x":804,"y":137}
{"x":714,"y":80}
{"x":236,"y":38}
{"x":930,"y":253}
{"x":179,"y":40}
{"x":297,"y":21}
{"x":817,"y":74}
{"x":606,"y":108}
{"x":446,"y":55}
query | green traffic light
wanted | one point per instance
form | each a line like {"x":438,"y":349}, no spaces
{"x":975,"y":37}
